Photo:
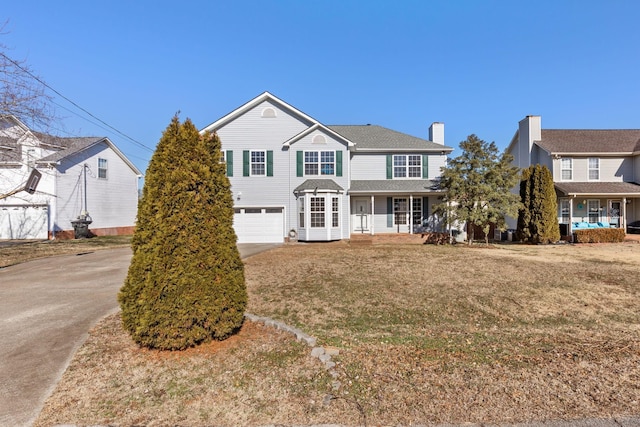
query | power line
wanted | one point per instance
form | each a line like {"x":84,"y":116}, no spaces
{"x":74,"y":104}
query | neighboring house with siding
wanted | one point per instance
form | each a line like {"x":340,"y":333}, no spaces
{"x":294,"y":177}
{"x":596,"y":172}
{"x":79,"y":176}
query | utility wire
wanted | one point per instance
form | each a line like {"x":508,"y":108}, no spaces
{"x":74,"y":104}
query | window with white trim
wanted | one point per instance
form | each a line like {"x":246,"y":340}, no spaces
{"x":301,"y":211}
{"x":566,"y":169}
{"x":335,"y":212}
{"x":407,"y":166}
{"x":102,"y":168}
{"x":564,"y":211}
{"x":400,"y":211}
{"x":593,"y":208}
{"x":316,"y":212}
{"x":594,"y":169}
{"x":319,"y":162}
{"x":416,"y":211}
{"x":258,"y":163}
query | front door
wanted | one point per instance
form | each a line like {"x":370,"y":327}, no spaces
{"x":362,"y":215}
{"x":615,"y":212}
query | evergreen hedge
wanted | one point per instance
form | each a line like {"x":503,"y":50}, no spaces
{"x":185,"y":284}
{"x":538,"y":216}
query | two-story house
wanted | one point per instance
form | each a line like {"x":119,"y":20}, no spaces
{"x":294,"y":177}
{"x":78,"y":177}
{"x":595,"y":172}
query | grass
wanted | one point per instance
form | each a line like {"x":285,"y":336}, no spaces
{"x":427,"y":334}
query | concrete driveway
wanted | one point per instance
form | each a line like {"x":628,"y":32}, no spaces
{"x":47,"y":306}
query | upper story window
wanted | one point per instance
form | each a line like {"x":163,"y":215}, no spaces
{"x":102,"y":168}
{"x":407,"y":166}
{"x":594,"y":169}
{"x":319,"y":162}
{"x":567,"y":169}
{"x":258,"y":163}
{"x":254,"y":163}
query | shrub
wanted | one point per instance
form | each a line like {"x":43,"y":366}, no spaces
{"x":185,"y":284}
{"x":599,"y":235}
{"x":437,"y":238}
{"x":538,"y":216}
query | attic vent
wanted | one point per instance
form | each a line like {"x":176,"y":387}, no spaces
{"x":319,"y":139}
{"x":268,"y":113}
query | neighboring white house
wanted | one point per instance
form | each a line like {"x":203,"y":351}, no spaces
{"x":294,"y":177}
{"x":79,"y":176}
{"x":595,"y":172}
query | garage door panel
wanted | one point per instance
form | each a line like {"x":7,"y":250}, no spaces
{"x":259,"y":225}
{"x":23,"y":222}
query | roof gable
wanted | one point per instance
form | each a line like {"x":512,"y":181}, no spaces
{"x":266,"y":96}
{"x":77,"y":145}
{"x":586,"y":141}
{"x":321,"y":128}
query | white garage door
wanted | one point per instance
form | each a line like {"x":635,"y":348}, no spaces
{"x":259,"y":225}
{"x":23,"y":221}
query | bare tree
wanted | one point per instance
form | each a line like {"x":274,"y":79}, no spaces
{"x":22,"y":93}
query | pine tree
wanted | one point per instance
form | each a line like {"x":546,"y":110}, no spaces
{"x":477,"y":187}
{"x":538,"y":216}
{"x":185,"y":284}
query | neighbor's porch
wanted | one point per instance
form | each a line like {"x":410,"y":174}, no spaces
{"x":594,"y":211}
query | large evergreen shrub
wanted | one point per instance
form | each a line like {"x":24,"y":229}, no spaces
{"x":185,"y":284}
{"x":538,"y":216}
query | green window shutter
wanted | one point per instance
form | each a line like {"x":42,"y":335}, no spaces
{"x":229,"y":159}
{"x":338,"y":163}
{"x":389,"y":212}
{"x":425,"y":166}
{"x":269,"y":163}
{"x":389,"y":167}
{"x":246,"y":166}
{"x":425,"y":208}
{"x":300,"y":163}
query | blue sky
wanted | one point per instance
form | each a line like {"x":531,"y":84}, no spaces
{"x":477,"y":66}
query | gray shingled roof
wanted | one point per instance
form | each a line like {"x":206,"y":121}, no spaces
{"x":10,"y":151}
{"x":393,"y":186}
{"x":373,"y":137}
{"x":320,"y":184}
{"x":590,"y":141}
{"x":598,"y":188}
{"x":73,"y":145}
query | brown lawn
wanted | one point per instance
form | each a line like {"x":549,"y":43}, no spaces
{"x":427,"y":334}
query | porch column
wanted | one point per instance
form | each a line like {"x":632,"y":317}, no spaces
{"x":373,"y":208}
{"x":410,"y":222}
{"x":570,"y":228}
{"x":624,"y":215}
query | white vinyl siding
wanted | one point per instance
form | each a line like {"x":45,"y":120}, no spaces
{"x":111,"y":202}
